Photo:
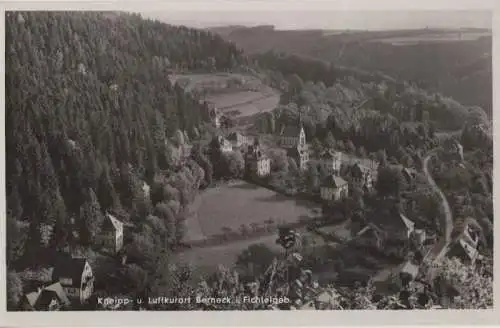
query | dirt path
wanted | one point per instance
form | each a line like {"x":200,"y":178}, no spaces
{"x":441,"y":247}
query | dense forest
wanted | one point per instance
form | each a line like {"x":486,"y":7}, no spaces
{"x":461,"y":69}
{"x":88,"y":109}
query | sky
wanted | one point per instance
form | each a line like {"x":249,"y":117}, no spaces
{"x":333,"y":20}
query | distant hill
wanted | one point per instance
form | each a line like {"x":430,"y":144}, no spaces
{"x":455,"y":62}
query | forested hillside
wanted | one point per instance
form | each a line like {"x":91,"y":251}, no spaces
{"x":88,"y":110}
{"x":439,"y":60}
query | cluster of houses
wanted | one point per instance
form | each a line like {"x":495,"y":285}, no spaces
{"x":333,"y":187}
{"x":69,"y":283}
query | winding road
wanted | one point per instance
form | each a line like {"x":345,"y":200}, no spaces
{"x":441,"y":247}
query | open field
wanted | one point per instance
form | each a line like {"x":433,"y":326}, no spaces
{"x":239,"y":203}
{"x":246,"y":103}
{"x":434,"y":37}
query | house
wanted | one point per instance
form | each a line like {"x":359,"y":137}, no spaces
{"x":300,"y":155}
{"x":465,"y":245}
{"x":76,"y":278}
{"x":50,"y":298}
{"x":331,"y":161}
{"x":454,"y":149}
{"x":395,"y":224}
{"x":361,"y":176}
{"x":419,"y":236}
{"x":224,"y":145}
{"x":146,"y":189}
{"x":334,"y":188}
{"x":408,"y":271}
{"x":237,"y":139}
{"x":111,"y":236}
{"x":256,"y":162}
{"x":408,"y":174}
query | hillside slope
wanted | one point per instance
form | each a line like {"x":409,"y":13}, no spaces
{"x":89,"y":109}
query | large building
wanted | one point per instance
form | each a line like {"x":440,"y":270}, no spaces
{"x":292,"y":136}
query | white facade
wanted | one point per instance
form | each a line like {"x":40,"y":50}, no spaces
{"x":263,"y":167}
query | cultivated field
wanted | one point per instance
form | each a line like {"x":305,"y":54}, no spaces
{"x":239,"y":203}
{"x":246,"y":103}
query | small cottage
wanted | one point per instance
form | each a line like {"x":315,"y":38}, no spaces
{"x":334,"y":188}
{"x":111,"y":236}
{"x":331,"y":161}
{"x":76,"y":278}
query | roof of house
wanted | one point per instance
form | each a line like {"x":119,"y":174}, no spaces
{"x":48,"y":294}
{"x":69,"y":267}
{"x":33,"y":297}
{"x":469,"y":250}
{"x":334,"y":182}
{"x":389,"y":220}
{"x":358,"y":170}
{"x":295,"y":152}
{"x":409,"y":268}
{"x":407,"y":222}
{"x":330,"y":154}
{"x":234,"y":136}
{"x":291,"y":131}
{"x":117,"y":224}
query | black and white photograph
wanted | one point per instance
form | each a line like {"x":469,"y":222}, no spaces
{"x":248,"y":160}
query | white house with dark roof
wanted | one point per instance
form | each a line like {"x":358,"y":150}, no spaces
{"x":334,"y":188}
{"x":111,"y":236}
{"x":238,"y":139}
{"x":76,"y":278}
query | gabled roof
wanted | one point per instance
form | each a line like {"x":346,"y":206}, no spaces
{"x":291,"y":131}
{"x":117,"y":224}
{"x":234,"y":136}
{"x":359,"y":170}
{"x":48,"y":293}
{"x":409,"y":268}
{"x":330,"y":154}
{"x":334,"y":182}
{"x":407,"y":222}
{"x":295,"y":152}
{"x":33,"y":297}
{"x":469,"y":250}
{"x":68,"y":267}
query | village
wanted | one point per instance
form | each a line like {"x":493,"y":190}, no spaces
{"x":69,"y":284}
